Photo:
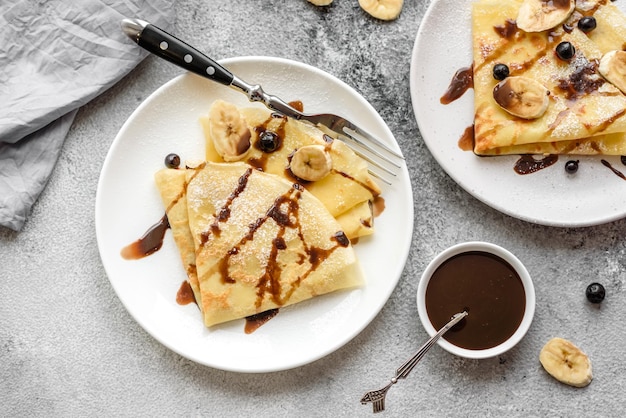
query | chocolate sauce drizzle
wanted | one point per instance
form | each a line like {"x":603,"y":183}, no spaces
{"x":284,"y":212}
{"x":253,"y":322}
{"x":224,"y":213}
{"x":613,"y":169}
{"x":528,"y":164}
{"x":462,"y":81}
{"x":149,"y":243}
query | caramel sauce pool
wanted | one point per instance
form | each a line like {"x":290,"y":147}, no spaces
{"x":485,"y":286}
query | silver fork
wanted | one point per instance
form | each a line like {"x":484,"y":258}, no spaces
{"x":385,"y":161}
{"x":377,"y":397}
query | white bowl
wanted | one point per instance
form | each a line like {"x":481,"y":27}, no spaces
{"x":507,"y":256}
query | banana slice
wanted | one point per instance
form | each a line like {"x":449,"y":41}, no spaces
{"x":311,"y":162}
{"x":566,"y":362}
{"x":540,"y":15}
{"x":321,"y":2}
{"x":613,"y":68}
{"x":382,"y":9}
{"x":522,"y":97}
{"x":229,"y":131}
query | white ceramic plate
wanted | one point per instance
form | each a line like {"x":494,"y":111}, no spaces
{"x":127,"y":203}
{"x":592,"y":196}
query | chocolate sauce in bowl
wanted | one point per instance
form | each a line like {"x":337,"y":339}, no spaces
{"x":484,"y":285}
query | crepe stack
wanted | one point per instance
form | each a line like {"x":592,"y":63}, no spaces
{"x":253,"y":233}
{"x":586,"y":110}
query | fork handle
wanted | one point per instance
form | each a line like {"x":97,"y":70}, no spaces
{"x":178,"y":52}
{"x":172,"y":49}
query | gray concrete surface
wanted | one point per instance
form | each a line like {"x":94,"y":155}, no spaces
{"x":69,"y":348}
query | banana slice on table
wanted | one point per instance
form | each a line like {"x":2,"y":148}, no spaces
{"x":321,"y":2}
{"x":613,"y":68}
{"x":311,"y":162}
{"x":566,"y":362}
{"x":382,"y":9}
{"x":540,"y":15}
{"x":522,"y":97}
{"x":229,"y":131}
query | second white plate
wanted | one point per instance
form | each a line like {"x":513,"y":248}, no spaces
{"x":443,"y":45}
{"x":127,"y":203}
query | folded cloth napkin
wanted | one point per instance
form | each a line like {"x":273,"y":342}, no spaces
{"x":56,"y":55}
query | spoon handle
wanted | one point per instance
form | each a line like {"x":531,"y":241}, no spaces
{"x":404,"y":370}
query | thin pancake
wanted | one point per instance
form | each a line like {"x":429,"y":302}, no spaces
{"x":262,"y":242}
{"x":343,"y":191}
{"x":582,"y":103}
{"x":171,"y":185}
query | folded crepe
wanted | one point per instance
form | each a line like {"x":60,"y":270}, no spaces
{"x":252,"y":241}
{"x":347,"y":191}
{"x":586,"y":114}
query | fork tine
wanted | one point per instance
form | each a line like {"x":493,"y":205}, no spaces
{"x":380,"y":177}
{"x":352,"y":130}
{"x":336,"y":130}
{"x":340,"y":124}
{"x":363,"y":146}
{"x":379,"y":405}
{"x":375,"y":169}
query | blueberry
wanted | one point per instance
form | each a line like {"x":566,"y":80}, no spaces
{"x":500,"y":71}
{"x":595,"y":293}
{"x":587,"y":24}
{"x":172,"y":160}
{"x":268,"y":141}
{"x":571,"y":166}
{"x":565,"y":51}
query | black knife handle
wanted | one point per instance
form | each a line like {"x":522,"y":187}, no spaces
{"x":174,"y":50}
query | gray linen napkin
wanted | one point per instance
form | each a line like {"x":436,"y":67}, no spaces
{"x":56,"y":56}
